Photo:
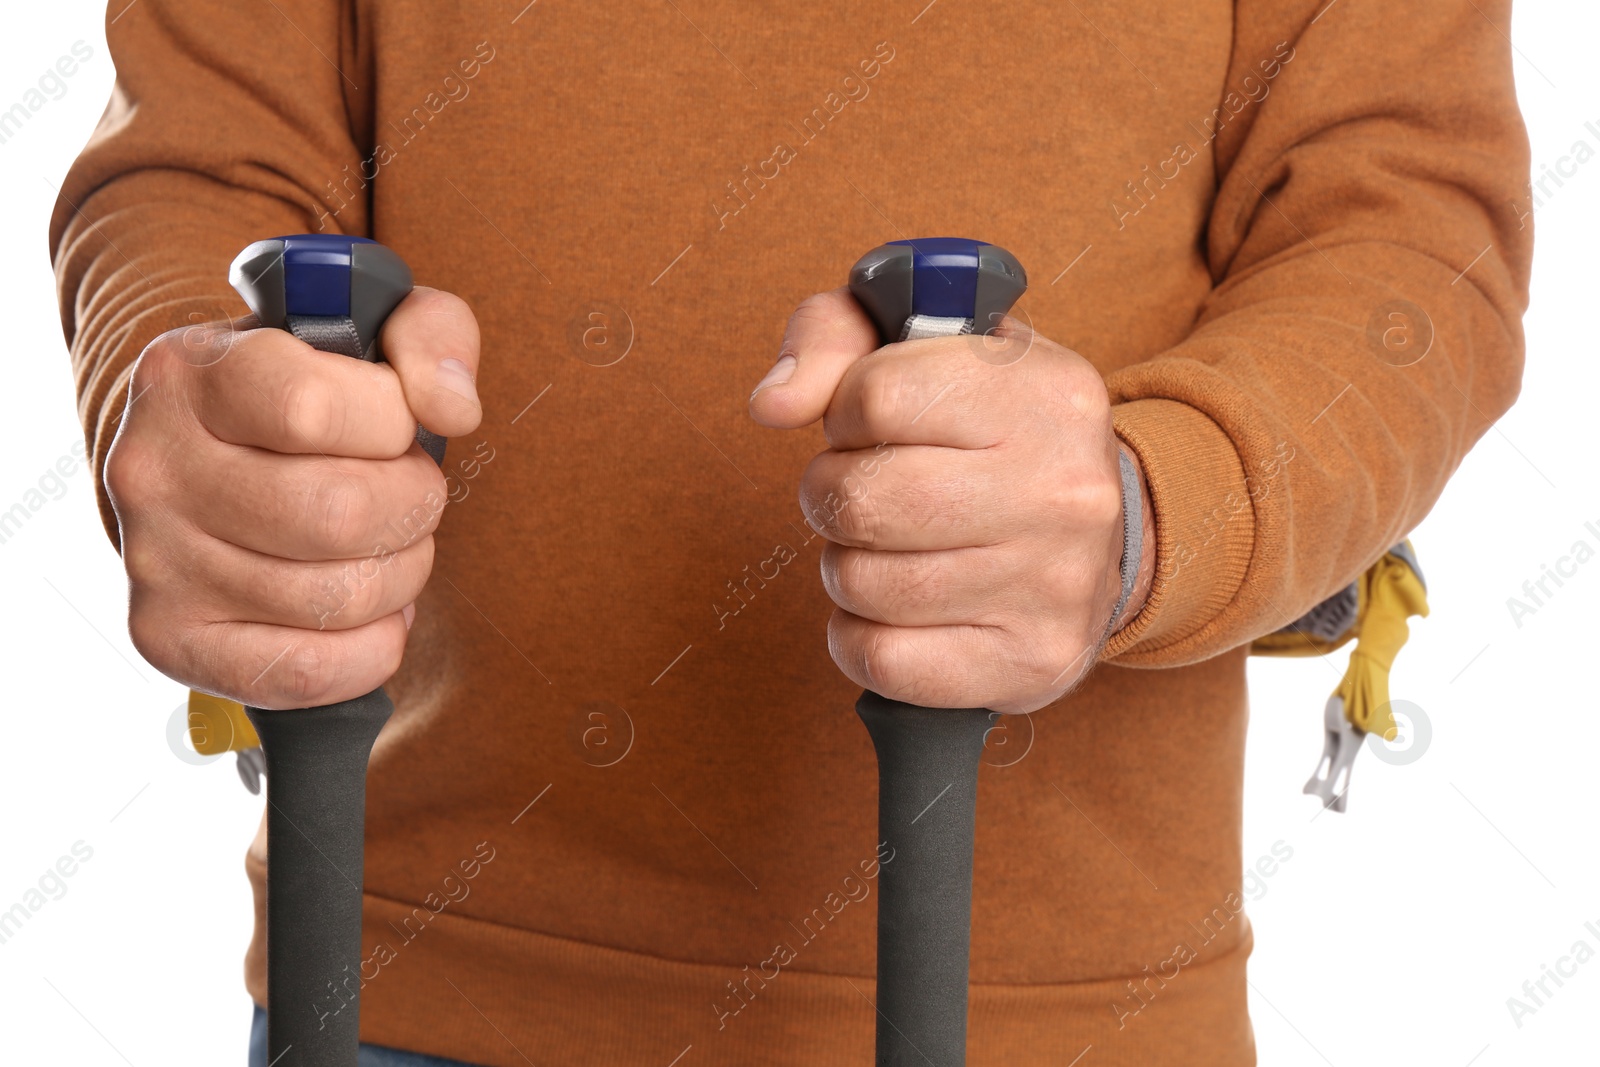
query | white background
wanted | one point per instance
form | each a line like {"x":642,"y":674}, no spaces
{"x":1394,"y":934}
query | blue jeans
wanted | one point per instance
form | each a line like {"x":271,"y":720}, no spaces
{"x":371,"y":1055}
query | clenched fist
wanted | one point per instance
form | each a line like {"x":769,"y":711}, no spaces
{"x":972,"y":501}
{"x":276,"y":514}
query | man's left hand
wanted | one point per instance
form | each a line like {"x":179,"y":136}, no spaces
{"x":972,"y":501}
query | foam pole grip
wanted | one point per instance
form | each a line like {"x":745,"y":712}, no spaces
{"x":316,"y":816}
{"x":927,"y":808}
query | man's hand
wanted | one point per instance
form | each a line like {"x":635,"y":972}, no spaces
{"x":276,"y":515}
{"x":972,"y":499}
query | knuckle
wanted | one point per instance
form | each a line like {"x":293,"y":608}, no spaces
{"x":894,"y":581}
{"x":880,"y":659}
{"x":390,"y":651}
{"x":1036,"y":665}
{"x":417,"y":521}
{"x":1081,"y":392}
{"x":154,"y":635}
{"x":822,"y":309}
{"x":339,"y":598}
{"x":1101,"y":498}
{"x":310,"y":410}
{"x":1091,"y":502}
{"x":190,"y":348}
{"x":316,"y":668}
{"x":1040,"y":662}
{"x":160,"y":358}
{"x":826,"y":506}
{"x":306,"y":670}
{"x":919,"y":584}
{"x":855,"y":573}
{"x":357,"y":590}
{"x":882,"y":386}
{"x":886,"y":659}
{"x":441,"y":321}
{"x":859,"y":520}
{"x":126,"y":474}
{"x":1061,"y":588}
{"x":336,"y":510}
{"x":938,"y":498}
{"x":142,"y":561}
{"x":439,"y":302}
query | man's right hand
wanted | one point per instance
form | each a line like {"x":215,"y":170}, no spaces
{"x":276,"y":514}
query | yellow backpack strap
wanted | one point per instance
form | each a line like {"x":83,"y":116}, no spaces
{"x":218,"y":725}
{"x":1392,"y":591}
{"x":1372,"y":611}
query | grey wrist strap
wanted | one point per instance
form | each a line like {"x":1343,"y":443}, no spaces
{"x":1132,"y":535}
{"x":329,"y":333}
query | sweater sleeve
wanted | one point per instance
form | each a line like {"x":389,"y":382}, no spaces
{"x":1371,"y":267}
{"x":227,"y":123}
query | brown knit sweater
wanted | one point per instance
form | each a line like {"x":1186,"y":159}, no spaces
{"x":625,"y":809}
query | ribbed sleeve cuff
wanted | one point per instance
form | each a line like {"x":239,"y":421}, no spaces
{"x":1204,"y":535}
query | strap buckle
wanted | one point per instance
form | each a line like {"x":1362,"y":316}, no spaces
{"x":1342,"y":740}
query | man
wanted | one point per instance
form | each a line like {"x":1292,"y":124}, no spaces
{"x":624,"y":812}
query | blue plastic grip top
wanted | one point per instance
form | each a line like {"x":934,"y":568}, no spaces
{"x":944,"y":276}
{"x":316,"y":273}
{"x":937,"y":277}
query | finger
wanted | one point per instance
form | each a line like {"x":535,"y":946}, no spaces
{"x":275,"y":392}
{"x":926,"y":665}
{"x":826,"y":334}
{"x":238,"y":585}
{"x":949,"y":666}
{"x":924,"y":498}
{"x":952,"y":391}
{"x":314,"y":507}
{"x":970,"y":586}
{"x":431,"y":339}
{"x":264,"y":666}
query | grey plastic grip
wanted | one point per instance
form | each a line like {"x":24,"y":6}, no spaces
{"x":881,"y":282}
{"x":1001,"y":282}
{"x":379,"y":280}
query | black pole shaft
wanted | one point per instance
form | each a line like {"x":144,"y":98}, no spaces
{"x":927,"y":805}
{"x":316,"y":814}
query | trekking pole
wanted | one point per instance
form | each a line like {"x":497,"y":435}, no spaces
{"x":333,"y":293}
{"x":928,"y":757}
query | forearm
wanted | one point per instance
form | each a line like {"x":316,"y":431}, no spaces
{"x":219,"y":131}
{"x":1286,"y":443}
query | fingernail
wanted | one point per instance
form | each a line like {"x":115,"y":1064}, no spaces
{"x":781,"y":372}
{"x":454,"y":376}
{"x":408,"y":613}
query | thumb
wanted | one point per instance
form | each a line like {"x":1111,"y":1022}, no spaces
{"x":826,"y":335}
{"x":431,"y":340}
